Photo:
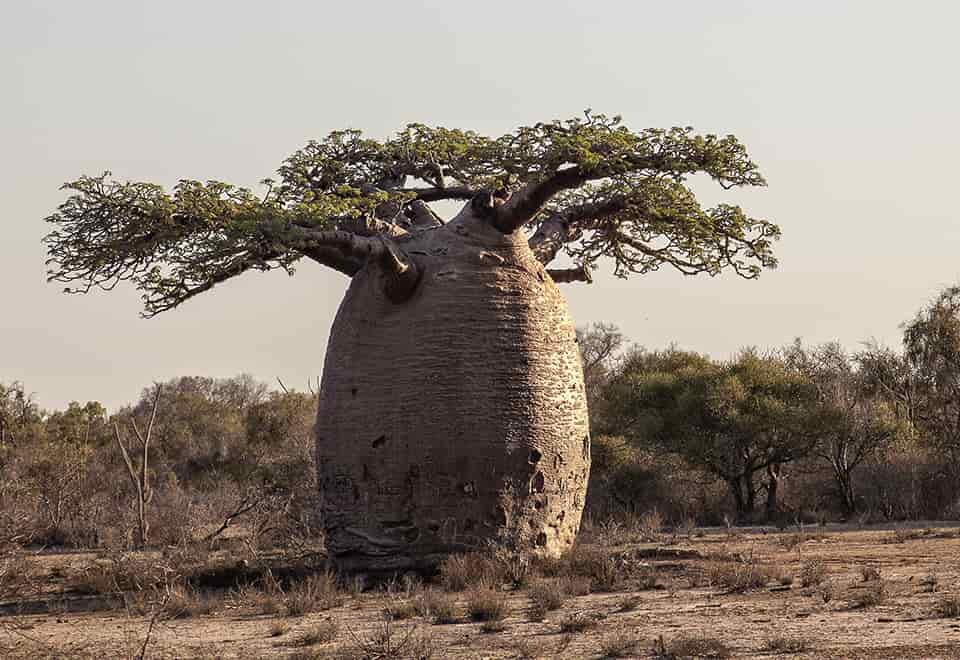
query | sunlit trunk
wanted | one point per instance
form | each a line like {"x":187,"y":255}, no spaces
{"x":457,"y":417}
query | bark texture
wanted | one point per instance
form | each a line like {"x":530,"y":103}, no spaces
{"x":457,"y":417}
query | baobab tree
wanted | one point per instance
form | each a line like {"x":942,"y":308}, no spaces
{"x":451,"y":410}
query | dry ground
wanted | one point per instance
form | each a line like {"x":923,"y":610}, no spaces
{"x":868,"y":594}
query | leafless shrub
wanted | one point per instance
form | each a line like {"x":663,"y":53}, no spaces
{"x":629,"y":604}
{"x":870,"y":594}
{"x":278,"y":628}
{"x":400,"y":610}
{"x":388,"y":643}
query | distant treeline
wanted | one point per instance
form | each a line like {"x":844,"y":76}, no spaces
{"x":798,"y":433}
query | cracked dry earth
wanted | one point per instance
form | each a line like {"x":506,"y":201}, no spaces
{"x":919,"y":573}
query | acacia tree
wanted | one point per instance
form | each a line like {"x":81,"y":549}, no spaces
{"x":451,"y":407}
{"x":742,"y":421}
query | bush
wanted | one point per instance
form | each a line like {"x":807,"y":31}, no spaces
{"x":785,"y":645}
{"x":812,"y":573}
{"x":440,"y":606}
{"x":466,"y":571}
{"x":485,"y":604}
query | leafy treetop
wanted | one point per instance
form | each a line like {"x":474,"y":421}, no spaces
{"x":587,"y":187}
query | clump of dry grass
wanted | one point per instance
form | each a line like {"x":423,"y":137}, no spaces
{"x":630,"y":603}
{"x":579,"y":622}
{"x":466,"y":571}
{"x":619,"y":645}
{"x":690,"y":647}
{"x":870,"y":594}
{"x":930,"y":583}
{"x":278,"y":628}
{"x":738,"y":576}
{"x":485,"y":604}
{"x":785,"y":645}
{"x":315,"y":593}
{"x":439,"y":606}
{"x":322,"y":633}
{"x":492,"y":627}
{"x":545,"y":596}
{"x":869,"y":573}
{"x":389,"y":643}
{"x":812,"y":573}
{"x":184,"y":602}
{"x":400,"y":610}
{"x":948,"y":607}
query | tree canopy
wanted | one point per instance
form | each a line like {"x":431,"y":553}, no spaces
{"x":588,"y":187}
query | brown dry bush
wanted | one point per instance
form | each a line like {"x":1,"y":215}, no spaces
{"x":948,"y":607}
{"x":315,"y":593}
{"x":184,"y":602}
{"x":322,"y":633}
{"x":785,"y":645}
{"x":869,"y":573}
{"x":738,"y":576}
{"x":620,"y":645}
{"x":389,"y":643}
{"x":579,"y":622}
{"x":462,"y":572}
{"x":690,"y":647}
{"x":545,"y":596}
{"x":812,"y":573}
{"x":439,"y":606}
{"x":486,"y":604}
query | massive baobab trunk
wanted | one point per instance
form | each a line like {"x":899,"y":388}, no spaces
{"x":458,"y":416}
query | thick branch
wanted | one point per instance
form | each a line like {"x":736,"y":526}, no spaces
{"x":568,"y":225}
{"x":401,"y":272}
{"x":529,"y":200}
{"x":438,"y":194}
{"x":577,"y":274}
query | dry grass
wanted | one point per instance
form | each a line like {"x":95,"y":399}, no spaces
{"x":315,"y":593}
{"x":948,"y":607}
{"x":579,"y":622}
{"x":738,"y":576}
{"x":186,"y":602}
{"x":467,"y":571}
{"x":545,"y":596}
{"x":869,"y":573}
{"x":620,"y":645}
{"x":322,"y":633}
{"x":485,"y":604}
{"x":690,"y":647}
{"x":812,"y":573}
{"x":389,"y":643}
{"x":439,"y":606}
{"x":786,"y":645}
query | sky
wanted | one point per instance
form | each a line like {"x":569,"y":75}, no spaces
{"x":849,"y":108}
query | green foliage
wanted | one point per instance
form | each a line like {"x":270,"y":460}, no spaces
{"x":629,"y":202}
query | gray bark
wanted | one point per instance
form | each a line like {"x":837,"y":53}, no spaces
{"x":458,"y":416}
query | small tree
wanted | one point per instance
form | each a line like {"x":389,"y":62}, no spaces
{"x":856,"y":421}
{"x":139,"y":478}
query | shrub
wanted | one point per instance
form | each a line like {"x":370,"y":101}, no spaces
{"x":440,"y":606}
{"x":948,"y":607}
{"x":321,"y":633}
{"x":737,"y":576}
{"x":578,"y":623}
{"x":186,"y":602}
{"x":493,"y":627}
{"x":786,"y":645}
{"x":690,"y":647}
{"x":546,"y":595}
{"x":462,"y":572}
{"x":812,"y":573}
{"x":400,"y":610}
{"x":869,"y":573}
{"x":485,"y":604}
{"x":619,"y":645}
{"x":315,"y":593}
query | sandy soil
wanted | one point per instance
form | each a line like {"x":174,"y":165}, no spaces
{"x":904,"y":625}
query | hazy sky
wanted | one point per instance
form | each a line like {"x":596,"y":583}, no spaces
{"x":850,"y":109}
